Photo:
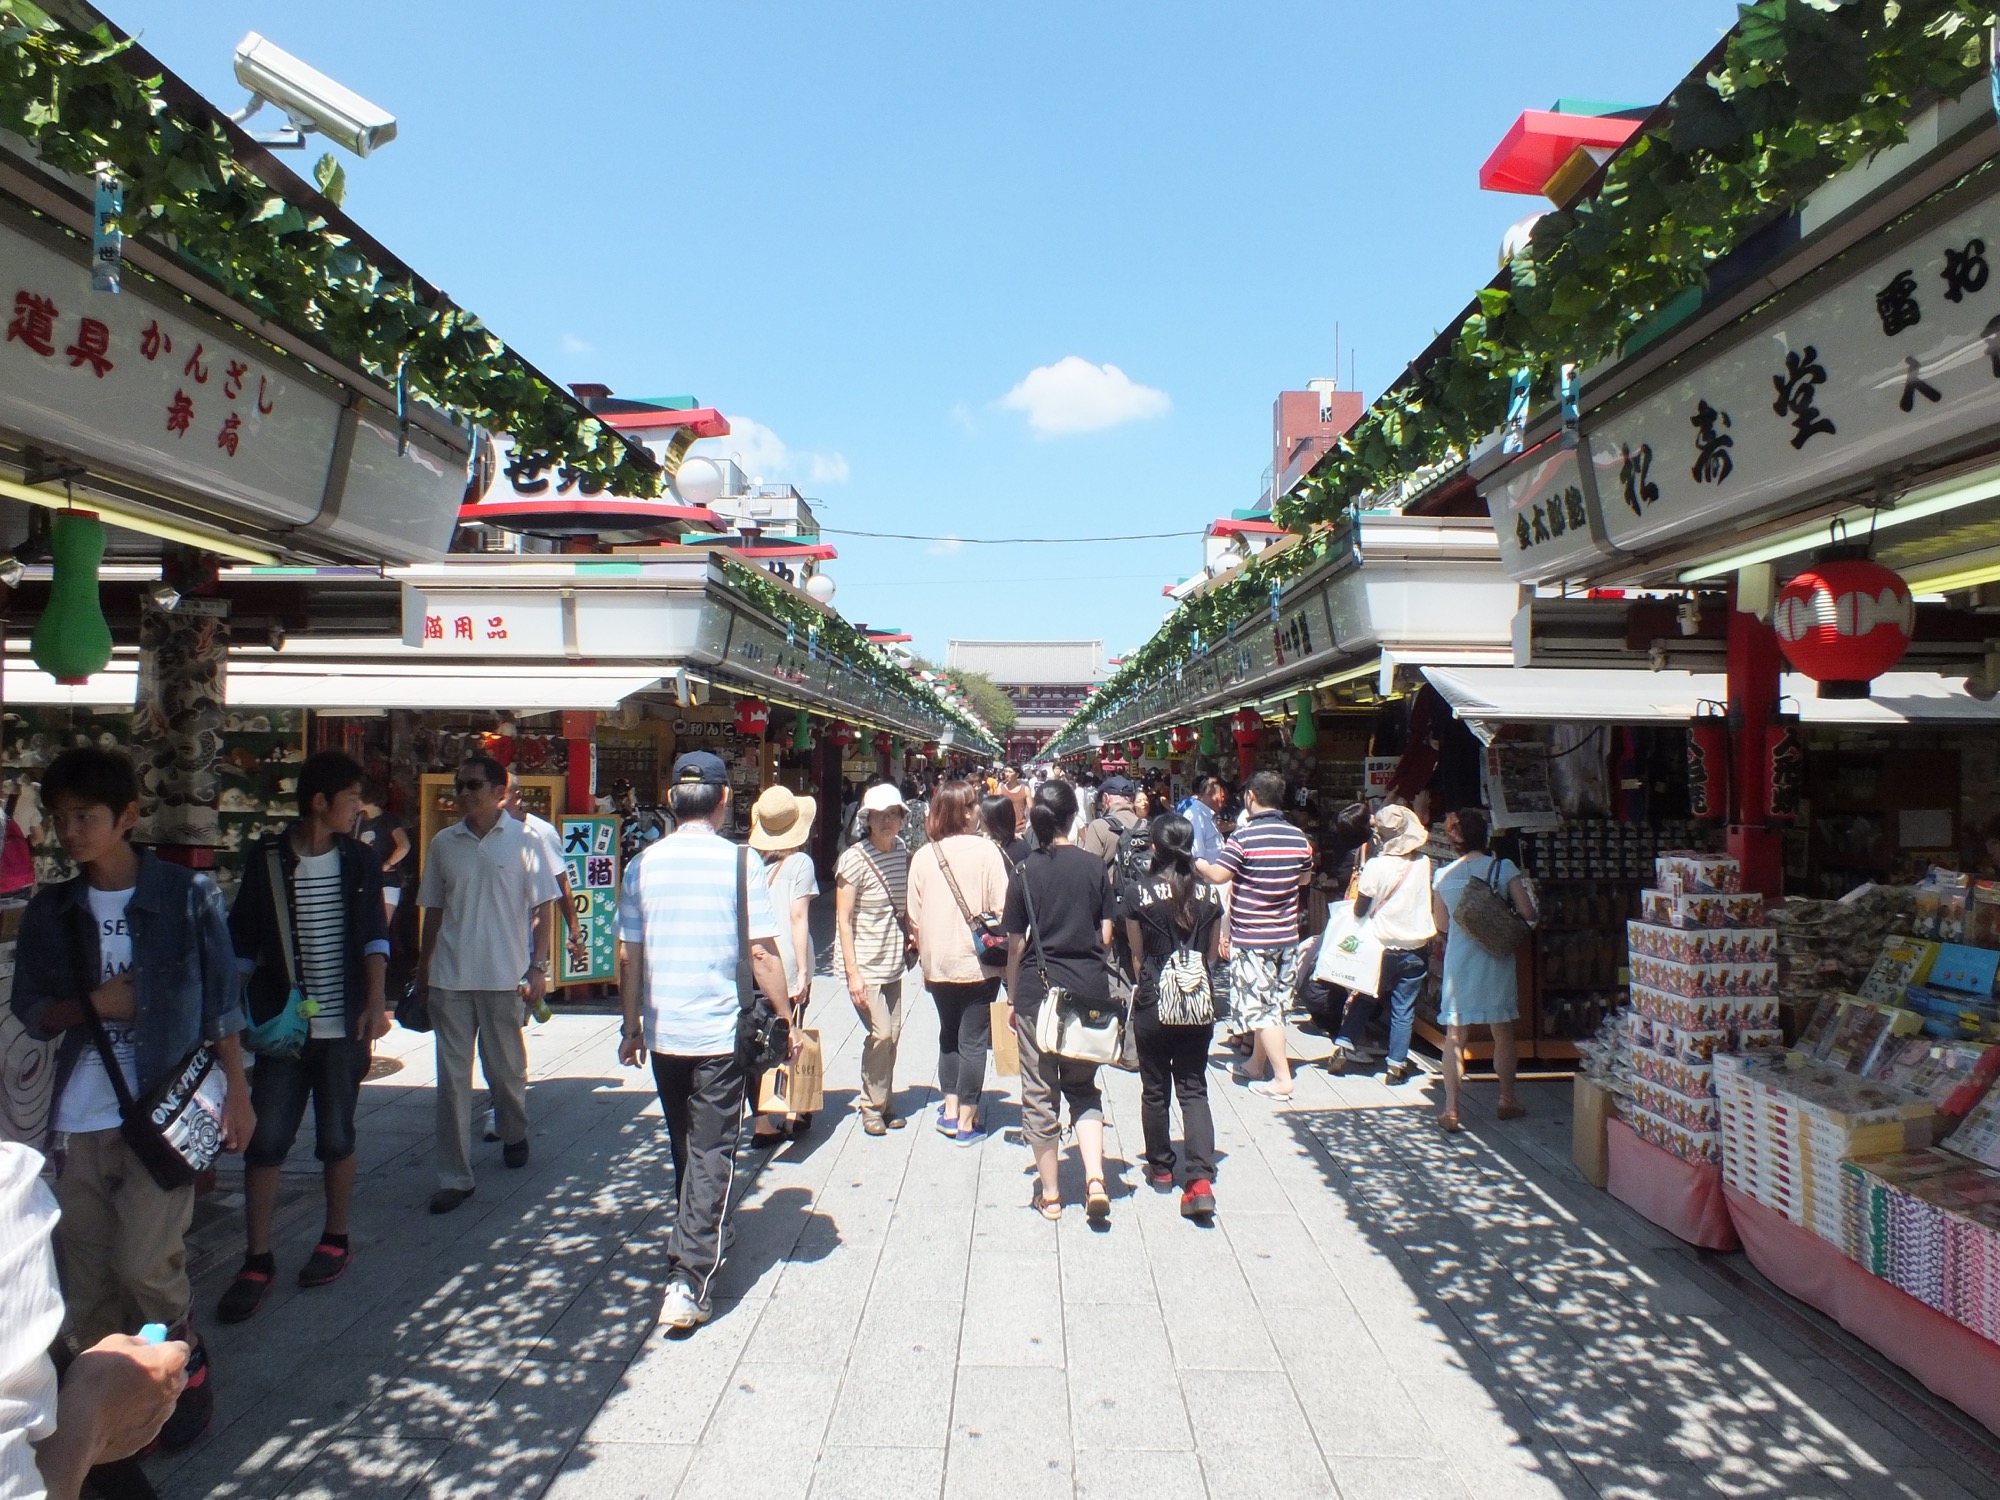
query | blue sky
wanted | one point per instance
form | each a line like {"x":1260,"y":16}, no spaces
{"x":899,"y":243}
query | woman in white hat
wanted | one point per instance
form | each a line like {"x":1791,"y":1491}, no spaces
{"x":1394,"y":892}
{"x":871,"y":885}
{"x":781,"y":824}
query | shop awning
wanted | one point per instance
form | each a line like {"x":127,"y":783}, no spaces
{"x":1487,"y":697}
{"x":330,"y":687}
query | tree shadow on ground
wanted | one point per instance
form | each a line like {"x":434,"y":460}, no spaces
{"x":1614,"y":1362}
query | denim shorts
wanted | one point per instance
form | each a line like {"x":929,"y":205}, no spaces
{"x":328,"y":1072}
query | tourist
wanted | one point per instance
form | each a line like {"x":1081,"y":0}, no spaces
{"x":321,"y":929}
{"x":996,"y":818}
{"x":1058,"y":921}
{"x":681,"y":930}
{"x":1014,"y":791}
{"x":871,"y":884}
{"x":958,"y":883}
{"x":1142,"y":805}
{"x":1267,"y":863}
{"x":1393,"y":890}
{"x":1210,"y":796}
{"x":781,"y":823}
{"x":1117,"y":835}
{"x":128,"y":962}
{"x":1168,"y":913}
{"x":390,"y":841}
{"x":487,"y":888}
{"x":1479,"y":986}
{"x":545,"y":833}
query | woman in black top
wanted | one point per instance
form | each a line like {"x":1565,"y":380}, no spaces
{"x":996,"y":816}
{"x":1167,"y":911}
{"x":1070,"y":890}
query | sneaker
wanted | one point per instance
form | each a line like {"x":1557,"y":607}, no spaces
{"x":244,"y":1295}
{"x":1198,"y":1202}
{"x":1398,"y":1071}
{"x":444,"y":1200}
{"x":970,"y":1137}
{"x":681,"y":1311}
{"x":326,"y":1266}
{"x":946,"y":1124}
{"x":515,"y":1153}
{"x":1337,"y":1061}
{"x":1162,"y":1178}
{"x":196,"y":1407}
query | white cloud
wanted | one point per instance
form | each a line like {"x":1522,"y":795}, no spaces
{"x":574,"y":345}
{"x":1074,"y":395}
{"x":945,"y":546}
{"x":767,"y":459}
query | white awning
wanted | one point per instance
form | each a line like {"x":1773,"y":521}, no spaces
{"x":1486,"y":697}
{"x":332,"y":686}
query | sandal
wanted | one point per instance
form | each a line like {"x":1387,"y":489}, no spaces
{"x":244,"y":1296}
{"x":1096,"y":1202}
{"x":327,"y":1264}
{"x":1448,"y":1122}
{"x":1512,"y":1111}
{"x":1048,"y":1208}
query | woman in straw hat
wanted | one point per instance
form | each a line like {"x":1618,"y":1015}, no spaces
{"x":781,"y":823}
{"x":1394,"y":891}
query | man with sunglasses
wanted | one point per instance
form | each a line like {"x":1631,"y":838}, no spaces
{"x":487,"y":898}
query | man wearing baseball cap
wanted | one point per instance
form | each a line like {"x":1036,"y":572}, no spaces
{"x":679,"y":946}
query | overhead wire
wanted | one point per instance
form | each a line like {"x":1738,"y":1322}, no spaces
{"x":1010,"y":541}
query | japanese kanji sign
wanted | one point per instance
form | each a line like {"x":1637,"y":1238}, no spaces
{"x":590,"y":850}
{"x":1545,"y":512}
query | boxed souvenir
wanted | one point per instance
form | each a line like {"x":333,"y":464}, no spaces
{"x":1966,"y":970}
{"x":1694,"y":1079}
{"x":1860,"y":1031}
{"x":1685,"y":873}
{"x":1703,"y":1012}
{"x":1703,"y":945}
{"x":1692,"y":979}
{"x":1701,"y":908}
{"x":1978,"y":1135}
{"x":1982,"y":922}
{"x":1673,"y":1136}
{"x":1902,"y":962}
{"x":1946,"y":1013}
{"x":1952,"y":1075}
{"x":1694,"y":1045}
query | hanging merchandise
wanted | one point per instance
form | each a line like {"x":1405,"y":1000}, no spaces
{"x":1844,"y":621}
{"x":844,"y":733}
{"x":1158,"y":748}
{"x":1305,"y":733}
{"x":802,"y":731}
{"x":499,"y":744}
{"x":1247,"y":725}
{"x":1207,"y":746}
{"x":1180,"y":739}
{"x":753,"y":717}
{"x":1785,"y":765}
{"x":72,"y":640}
{"x":1708,"y":768}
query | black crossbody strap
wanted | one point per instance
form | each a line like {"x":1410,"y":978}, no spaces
{"x":282,"y":908}
{"x":1034,"y":926}
{"x":109,"y":1054}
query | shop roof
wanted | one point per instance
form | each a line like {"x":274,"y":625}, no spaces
{"x":1487,"y":697}
{"x":1542,"y":140}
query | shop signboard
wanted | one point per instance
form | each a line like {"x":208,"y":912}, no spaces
{"x":485,"y":622}
{"x":1545,"y":513}
{"x":140,"y":383}
{"x":1897,"y":361}
{"x":590,"y":850}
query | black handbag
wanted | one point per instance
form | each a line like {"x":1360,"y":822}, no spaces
{"x":763,"y":1037}
{"x":413,"y":1010}
{"x":176,"y":1129}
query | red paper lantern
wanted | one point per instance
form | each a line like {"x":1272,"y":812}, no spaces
{"x":844,"y":733}
{"x":1135,"y":749}
{"x":1844,"y":621}
{"x":753,"y":716}
{"x":1247,"y":726}
{"x":883,"y":744}
{"x":1708,"y":769}
{"x":1181,"y":738}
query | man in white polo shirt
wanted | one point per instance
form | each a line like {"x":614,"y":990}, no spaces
{"x":486,"y":892}
{"x":680,"y":940}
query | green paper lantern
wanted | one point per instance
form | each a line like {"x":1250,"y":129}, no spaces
{"x":802,"y":731}
{"x":1305,"y":733}
{"x":71,"y":639}
{"x":1207,"y":745}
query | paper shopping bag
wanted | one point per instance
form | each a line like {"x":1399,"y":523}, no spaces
{"x":1349,"y":954}
{"x":799,"y":1086}
{"x":1006,"y":1050}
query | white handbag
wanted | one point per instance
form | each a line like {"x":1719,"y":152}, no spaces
{"x":1350,"y":955}
{"x":1091,"y":1031}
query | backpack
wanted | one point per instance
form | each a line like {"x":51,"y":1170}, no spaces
{"x":1186,"y":998}
{"x":1133,"y":853}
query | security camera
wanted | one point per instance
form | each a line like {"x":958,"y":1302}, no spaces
{"x":312,"y":100}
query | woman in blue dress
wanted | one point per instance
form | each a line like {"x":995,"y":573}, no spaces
{"x":1479,"y":985}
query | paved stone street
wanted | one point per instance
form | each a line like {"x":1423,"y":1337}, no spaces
{"x":1379,"y":1311}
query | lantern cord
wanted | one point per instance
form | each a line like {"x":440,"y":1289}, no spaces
{"x":1588,"y":739}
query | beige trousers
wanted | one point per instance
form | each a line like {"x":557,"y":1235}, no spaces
{"x":878,"y":1052}
{"x":122,"y":1242}
{"x":495,"y":1019}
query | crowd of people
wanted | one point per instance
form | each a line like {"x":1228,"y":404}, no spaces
{"x":1099,"y":925}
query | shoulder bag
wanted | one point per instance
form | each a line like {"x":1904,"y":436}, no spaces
{"x":989,"y":938}
{"x":1487,"y":916}
{"x":176,"y":1129}
{"x":285,"y":1034}
{"x":763,"y":1038}
{"x":1091,"y":1031}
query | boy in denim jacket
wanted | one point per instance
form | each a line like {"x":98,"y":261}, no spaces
{"x":144,"y":944}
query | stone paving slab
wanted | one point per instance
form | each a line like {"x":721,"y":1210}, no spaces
{"x":1378,"y":1311}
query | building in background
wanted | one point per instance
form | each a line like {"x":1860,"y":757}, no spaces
{"x":1047,"y":681}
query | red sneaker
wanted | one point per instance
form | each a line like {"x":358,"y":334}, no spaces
{"x":1198,"y":1202}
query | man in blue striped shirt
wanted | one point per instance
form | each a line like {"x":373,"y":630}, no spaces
{"x":679,"y":940}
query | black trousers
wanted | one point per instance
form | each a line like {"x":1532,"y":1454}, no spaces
{"x":703,"y":1100}
{"x":1175,"y":1057}
{"x":965,"y":1032}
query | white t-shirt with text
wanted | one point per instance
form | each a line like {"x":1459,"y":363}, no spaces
{"x":88,"y":1100}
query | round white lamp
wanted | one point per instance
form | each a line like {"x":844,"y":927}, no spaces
{"x":699,"y":482}
{"x":820,"y":586}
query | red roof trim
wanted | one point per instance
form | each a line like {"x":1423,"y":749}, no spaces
{"x":706,"y":421}
{"x":1244,"y":528}
{"x":500,"y":512}
{"x":1540,"y":141}
{"x":822,"y":550}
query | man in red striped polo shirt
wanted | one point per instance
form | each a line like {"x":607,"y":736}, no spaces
{"x":1268,"y":862}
